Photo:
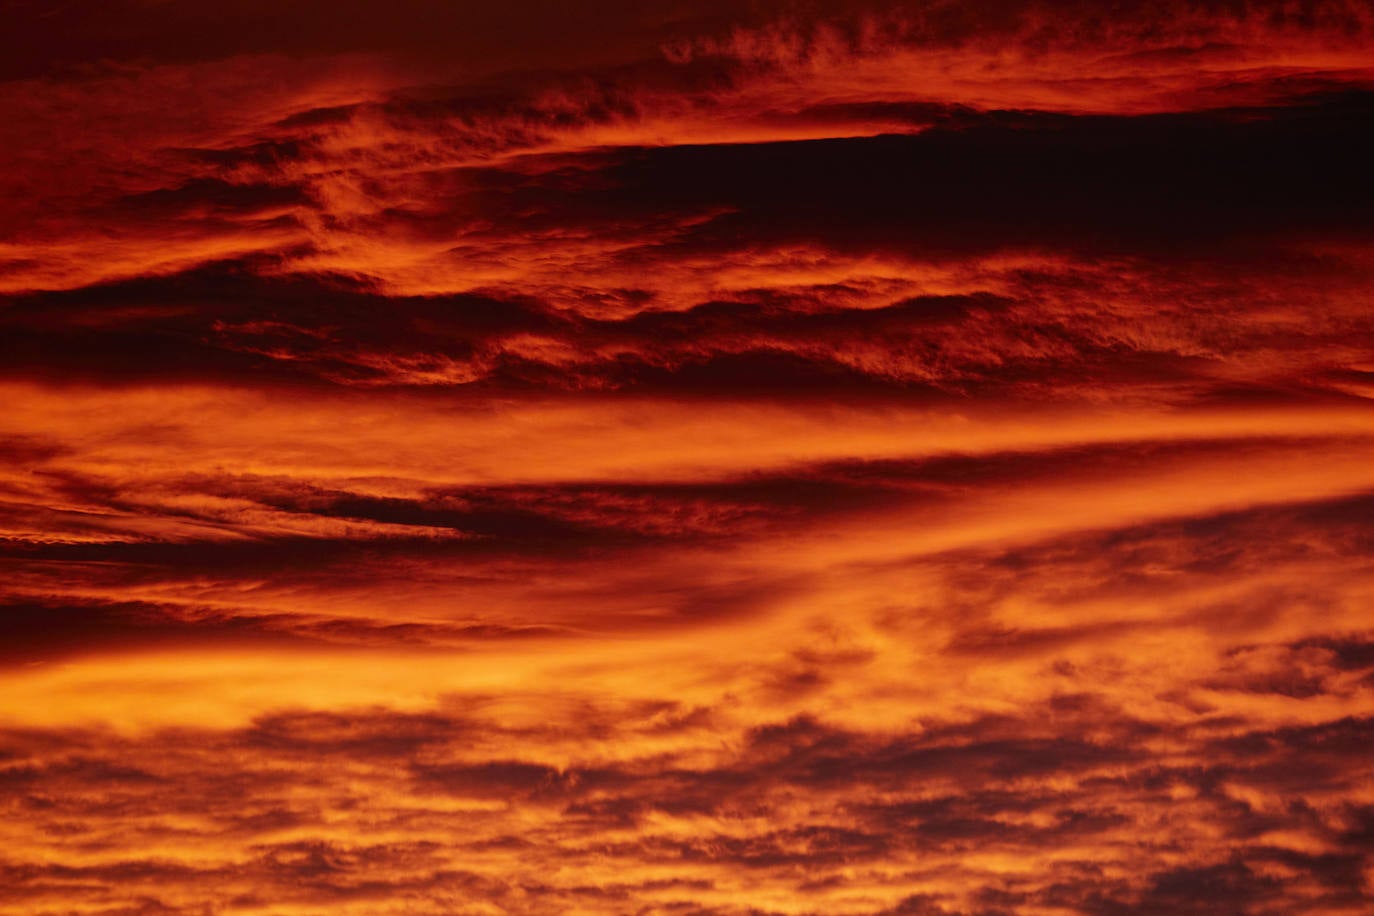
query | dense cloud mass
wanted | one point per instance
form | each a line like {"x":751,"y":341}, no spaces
{"x":773,"y":459}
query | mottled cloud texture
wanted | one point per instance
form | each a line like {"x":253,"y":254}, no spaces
{"x":687,"y":458}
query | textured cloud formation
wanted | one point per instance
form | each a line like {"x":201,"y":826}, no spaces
{"x":828,"y":458}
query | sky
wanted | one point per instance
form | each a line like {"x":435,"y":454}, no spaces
{"x":687,"y":458}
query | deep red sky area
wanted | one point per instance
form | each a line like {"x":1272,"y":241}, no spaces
{"x":689,"y":458}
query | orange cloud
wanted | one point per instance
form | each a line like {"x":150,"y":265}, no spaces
{"x":461,"y":459}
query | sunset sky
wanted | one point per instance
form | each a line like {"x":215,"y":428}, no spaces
{"x":686,"y":458}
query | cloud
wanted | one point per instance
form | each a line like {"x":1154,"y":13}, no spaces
{"x":830,"y":458}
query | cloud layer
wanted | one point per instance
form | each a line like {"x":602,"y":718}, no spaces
{"x":811,"y":459}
